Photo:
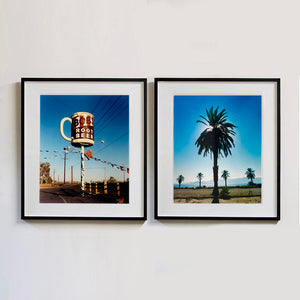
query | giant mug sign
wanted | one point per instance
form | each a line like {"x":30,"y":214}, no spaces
{"x":82,"y":129}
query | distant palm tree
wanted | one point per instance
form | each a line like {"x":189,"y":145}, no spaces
{"x":180,"y":179}
{"x":216,"y":139}
{"x":225,"y":175}
{"x":200,"y":176}
{"x":250,"y":174}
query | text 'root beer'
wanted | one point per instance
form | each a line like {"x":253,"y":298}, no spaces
{"x":82,"y":129}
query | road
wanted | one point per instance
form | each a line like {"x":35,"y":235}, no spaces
{"x":71,"y":194}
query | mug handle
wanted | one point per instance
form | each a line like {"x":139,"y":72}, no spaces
{"x":62,"y":128}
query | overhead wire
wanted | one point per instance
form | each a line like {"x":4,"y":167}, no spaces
{"x":113,"y":116}
{"x":108,"y":145}
{"x":103,"y":114}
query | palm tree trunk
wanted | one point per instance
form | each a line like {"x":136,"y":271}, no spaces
{"x":215,"y":172}
{"x":226,"y":182}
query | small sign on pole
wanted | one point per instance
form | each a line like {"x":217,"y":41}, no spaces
{"x":89,"y":154}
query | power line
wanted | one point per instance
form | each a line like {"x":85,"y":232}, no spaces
{"x":107,"y":117}
{"x":94,"y":109}
{"x":112,"y":117}
{"x":107,"y":111}
{"x":106,"y":146}
{"x":105,"y":99}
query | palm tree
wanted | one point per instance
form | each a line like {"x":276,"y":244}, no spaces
{"x":216,"y":139}
{"x":250,"y":174}
{"x":180,"y":179}
{"x":199,"y":176}
{"x":225,"y":175}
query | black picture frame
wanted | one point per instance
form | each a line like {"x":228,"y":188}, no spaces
{"x":161,"y":85}
{"x":136,"y":89}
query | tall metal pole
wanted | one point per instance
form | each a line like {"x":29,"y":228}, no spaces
{"x":65,"y":158}
{"x":82,"y":170}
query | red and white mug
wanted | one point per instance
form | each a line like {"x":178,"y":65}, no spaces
{"x":82,"y":129}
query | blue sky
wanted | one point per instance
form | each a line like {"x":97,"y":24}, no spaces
{"x":243,"y":111}
{"x":111,"y":121}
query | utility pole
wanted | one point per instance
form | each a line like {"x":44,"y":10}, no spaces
{"x":71,"y":174}
{"x":65,"y":158}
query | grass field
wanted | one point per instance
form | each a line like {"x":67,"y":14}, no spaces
{"x":204,"y":195}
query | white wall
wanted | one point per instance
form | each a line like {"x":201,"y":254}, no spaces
{"x":151,"y":260}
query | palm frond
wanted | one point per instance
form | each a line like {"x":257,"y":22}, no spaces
{"x":218,"y":136}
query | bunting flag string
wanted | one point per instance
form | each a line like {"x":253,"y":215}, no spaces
{"x":122,"y":168}
{"x":118,"y":167}
{"x":61,"y":151}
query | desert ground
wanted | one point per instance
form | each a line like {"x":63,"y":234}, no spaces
{"x":204,"y":195}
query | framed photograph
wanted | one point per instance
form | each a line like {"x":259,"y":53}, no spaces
{"x":84,"y":148}
{"x":217,"y":148}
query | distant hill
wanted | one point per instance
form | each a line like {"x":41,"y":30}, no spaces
{"x":230,"y":182}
